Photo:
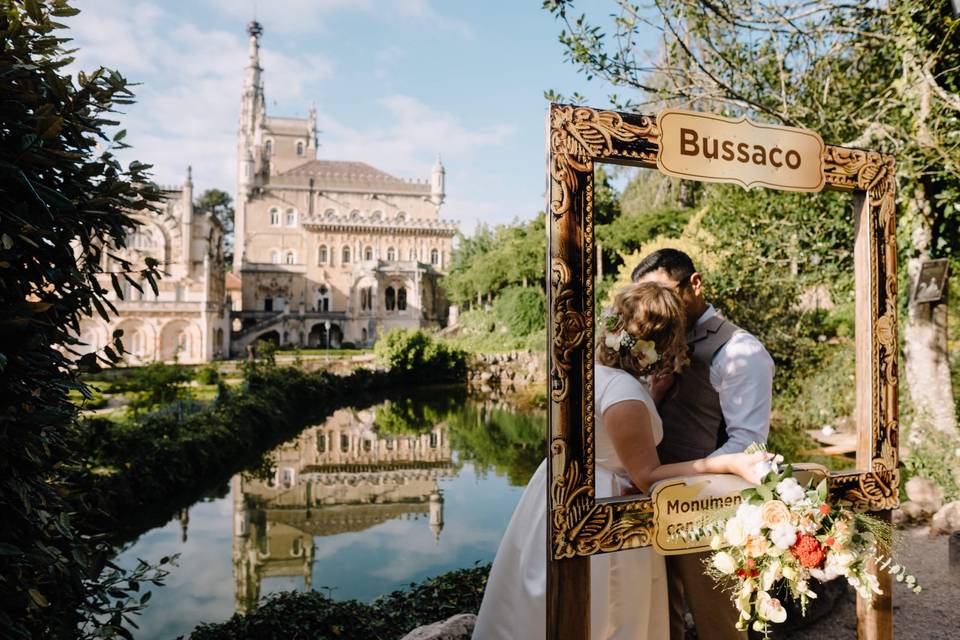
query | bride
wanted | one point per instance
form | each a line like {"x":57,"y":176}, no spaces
{"x":628,"y":595}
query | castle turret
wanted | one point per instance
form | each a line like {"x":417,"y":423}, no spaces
{"x":186,"y":221}
{"x":436,"y":514}
{"x":437,"y":183}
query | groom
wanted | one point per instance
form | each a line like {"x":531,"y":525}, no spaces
{"x":720,"y":403}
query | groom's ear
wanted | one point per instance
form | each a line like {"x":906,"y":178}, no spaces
{"x":696,"y":283}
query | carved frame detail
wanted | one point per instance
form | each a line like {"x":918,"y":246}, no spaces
{"x":577,"y":138}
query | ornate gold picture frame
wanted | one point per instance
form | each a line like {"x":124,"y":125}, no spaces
{"x":577,"y":137}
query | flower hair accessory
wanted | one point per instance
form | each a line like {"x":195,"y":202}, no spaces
{"x":623,"y":343}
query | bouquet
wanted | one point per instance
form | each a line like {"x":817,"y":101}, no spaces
{"x":783,"y":534}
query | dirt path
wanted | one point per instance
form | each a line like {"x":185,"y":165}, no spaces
{"x":931,"y":615}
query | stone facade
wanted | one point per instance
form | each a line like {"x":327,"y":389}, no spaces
{"x":187,"y":320}
{"x":328,"y":251}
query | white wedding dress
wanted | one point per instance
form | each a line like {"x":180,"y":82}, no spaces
{"x":628,"y":589}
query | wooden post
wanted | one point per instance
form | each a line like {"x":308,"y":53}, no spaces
{"x":874,"y":622}
{"x":568,"y":599}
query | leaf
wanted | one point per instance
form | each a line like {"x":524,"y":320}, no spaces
{"x":145,"y":598}
{"x":822,"y":490}
{"x":7,"y":549}
{"x":39,"y":598}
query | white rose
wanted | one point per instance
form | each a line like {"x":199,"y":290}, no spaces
{"x":735,"y":533}
{"x":790,"y":490}
{"x":751,"y":515}
{"x":784,"y":535}
{"x":724,"y":562}
{"x":770,"y":608}
{"x":716,"y":543}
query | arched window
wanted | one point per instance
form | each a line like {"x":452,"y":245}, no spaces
{"x":291,"y":218}
{"x":355,"y":214}
{"x":391,"y":254}
{"x":321,"y":443}
{"x":291,"y":258}
{"x":434,"y":256}
{"x":275,"y":217}
{"x":344,"y":442}
{"x":345,"y":259}
{"x":363,"y":334}
{"x":268,"y":147}
{"x":296,"y":547}
{"x":323,"y":298}
{"x":299,"y":147}
{"x":390,"y":298}
{"x":366,"y":298}
{"x":376,"y":215}
{"x":322,"y":254}
{"x":368,"y":253}
{"x":402,"y":299}
{"x":275,"y":257}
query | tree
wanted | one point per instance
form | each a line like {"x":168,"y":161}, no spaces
{"x":883,"y":75}
{"x":64,"y":211}
{"x":220,"y":205}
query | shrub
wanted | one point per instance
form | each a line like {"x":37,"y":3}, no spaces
{"x":208,"y":374}
{"x":407,"y":350}
{"x":523,"y":310}
{"x":314,"y":615}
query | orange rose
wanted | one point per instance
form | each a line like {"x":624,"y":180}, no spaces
{"x":774,"y":512}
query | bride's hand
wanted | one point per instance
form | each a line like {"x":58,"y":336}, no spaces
{"x":660,"y":383}
{"x":748,"y":465}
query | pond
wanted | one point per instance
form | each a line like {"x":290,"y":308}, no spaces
{"x":361,"y":505}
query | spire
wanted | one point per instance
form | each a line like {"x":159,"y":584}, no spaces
{"x":312,"y":125}
{"x":252,"y":106}
{"x":438,"y":182}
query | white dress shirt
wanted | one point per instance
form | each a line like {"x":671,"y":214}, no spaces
{"x":742,"y":374}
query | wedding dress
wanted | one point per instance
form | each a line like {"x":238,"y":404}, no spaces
{"x":628,"y":592}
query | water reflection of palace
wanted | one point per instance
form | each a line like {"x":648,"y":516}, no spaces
{"x":339,"y":477}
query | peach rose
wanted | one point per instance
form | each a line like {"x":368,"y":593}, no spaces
{"x":773,"y":513}
{"x":756,"y":546}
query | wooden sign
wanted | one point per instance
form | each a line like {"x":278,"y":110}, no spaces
{"x":683,"y":504}
{"x":711,"y":148}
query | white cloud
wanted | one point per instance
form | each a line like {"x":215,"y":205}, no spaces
{"x":296,"y":16}
{"x":190,"y":80}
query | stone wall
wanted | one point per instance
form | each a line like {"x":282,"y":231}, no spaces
{"x":506,"y":371}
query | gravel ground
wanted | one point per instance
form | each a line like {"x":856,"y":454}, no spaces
{"x":931,"y":615}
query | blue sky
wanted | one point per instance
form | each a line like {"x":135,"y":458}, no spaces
{"x":394,"y":81}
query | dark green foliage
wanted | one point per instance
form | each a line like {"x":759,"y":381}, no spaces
{"x":523,"y":310}
{"x":509,"y":443}
{"x":64,"y":204}
{"x":290,"y":615}
{"x":220,"y":205}
{"x":207,"y":374}
{"x":625,"y":234}
{"x":157,"y":384}
{"x":407,"y":351}
{"x":493,"y":260}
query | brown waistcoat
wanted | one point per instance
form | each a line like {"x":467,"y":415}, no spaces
{"x":693,"y":424}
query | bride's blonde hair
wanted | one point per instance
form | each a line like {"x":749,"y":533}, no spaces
{"x":646,"y":311}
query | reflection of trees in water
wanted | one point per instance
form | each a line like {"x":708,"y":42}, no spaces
{"x":490,"y":437}
{"x":488,"y":434}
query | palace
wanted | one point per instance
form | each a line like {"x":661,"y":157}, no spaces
{"x":328,"y":252}
{"x":187,"y":319}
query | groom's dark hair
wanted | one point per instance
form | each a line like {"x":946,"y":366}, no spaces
{"x":676,"y":263}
